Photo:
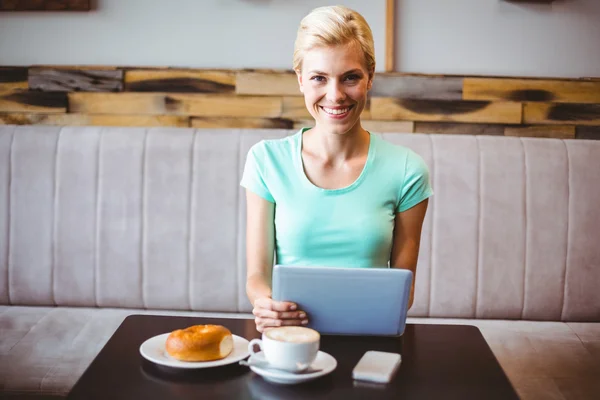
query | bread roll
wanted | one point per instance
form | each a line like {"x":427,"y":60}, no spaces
{"x":200,"y":343}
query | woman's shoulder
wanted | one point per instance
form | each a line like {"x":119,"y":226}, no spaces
{"x":276,"y":146}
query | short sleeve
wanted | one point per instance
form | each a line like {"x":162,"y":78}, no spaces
{"x":416,"y":186}
{"x":253,"y":177}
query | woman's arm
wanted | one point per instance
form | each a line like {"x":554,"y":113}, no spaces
{"x":407,"y":238}
{"x":260,"y":242}
{"x":260,"y":246}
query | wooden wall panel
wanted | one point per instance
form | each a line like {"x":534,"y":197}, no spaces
{"x":452,"y":128}
{"x":588,"y":132}
{"x":294,"y":108}
{"x":30,"y":101}
{"x":69,"y":80}
{"x":117,"y":103}
{"x":417,"y":87}
{"x":250,"y":123}
{"x":388,"y":126}
{"x":180,"y":81}
{"x":44,"y":119}
{"x":45,"y":5}
{"x":386,"y":108}
{"x":13,"y":78}
{"x":547,"y":131}
{"x":561,"y":113}
{"x":267,"y":84}
{"x":176,"y":104}
{"x":269,"y":99}
{"x":93,"y":120}
{"x":303,"y":123}
{"x":224,"y":105}
{"x":531,"y":90}
{"x":139,"y":120}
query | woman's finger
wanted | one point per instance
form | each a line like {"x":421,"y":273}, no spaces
{"x":273,"y":323}
{"x":283,"y":306}
{"x":264,"y":313}
{"x":270,"y":304}
{"x":260,"y":312}
{"x":292,"y":315}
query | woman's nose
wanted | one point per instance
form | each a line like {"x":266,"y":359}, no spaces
{"x":335,"y":93}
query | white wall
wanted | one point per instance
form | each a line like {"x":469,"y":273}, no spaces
{"x":471,"y":37}
{"x":183,"y":33}
{"x":495,"y":37}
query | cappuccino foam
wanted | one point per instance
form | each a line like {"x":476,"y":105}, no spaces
{"x":294,"y":334}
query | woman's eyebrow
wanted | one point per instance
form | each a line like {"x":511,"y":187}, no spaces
{"x":352,"y":71}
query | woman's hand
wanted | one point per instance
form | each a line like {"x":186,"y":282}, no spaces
{"x":269,"y":313}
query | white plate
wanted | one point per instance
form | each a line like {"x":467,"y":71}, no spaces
{"x":154,"y":350}
{"x":323,"y":361}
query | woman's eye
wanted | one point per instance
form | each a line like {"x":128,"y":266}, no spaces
{"x":318,"y":78}
{"x":352,"y":77}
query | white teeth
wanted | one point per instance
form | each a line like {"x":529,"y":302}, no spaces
{"x":336,"y":111}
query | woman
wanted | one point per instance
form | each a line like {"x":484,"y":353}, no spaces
{"x":335,"y":194}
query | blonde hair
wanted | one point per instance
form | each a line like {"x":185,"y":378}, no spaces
{"x":334,"y":25}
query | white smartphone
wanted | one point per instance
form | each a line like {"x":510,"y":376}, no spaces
{"x":377,"y":366}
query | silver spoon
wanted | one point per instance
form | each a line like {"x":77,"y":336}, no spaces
{"x":309,"y":370}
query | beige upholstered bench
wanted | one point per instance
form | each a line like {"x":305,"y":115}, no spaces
{"x":99,"y":223}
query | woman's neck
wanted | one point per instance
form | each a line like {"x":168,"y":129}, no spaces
{"x":336,"y":147}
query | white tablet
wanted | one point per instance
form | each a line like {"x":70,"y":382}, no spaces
{"x":347,"y":301}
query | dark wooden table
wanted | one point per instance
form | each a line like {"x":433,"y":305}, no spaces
{"x":438,"y":362}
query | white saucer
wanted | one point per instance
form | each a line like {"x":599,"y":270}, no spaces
{"x":324,"y":361}
{"x":154,"y":350}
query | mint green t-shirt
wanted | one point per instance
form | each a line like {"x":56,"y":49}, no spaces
{"x":347,"y":227}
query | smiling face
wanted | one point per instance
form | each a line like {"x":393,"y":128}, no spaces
{"x":335,"y":82}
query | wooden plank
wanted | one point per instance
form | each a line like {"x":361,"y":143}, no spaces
{"x":93,"y":120}
{"x":267,"y":84}
{"x":254,"y":123}
{"x":44,"y":119}
{"x":295,"y":108}
{"x":303,"y":123}
{"x":388,"y":126}
{"x":542,"y":131}
{"x":30,"y":101}
{"x":588,"y":132}
{"x":68,"y":80}
{"x":561,"y":113}
{"x":179,"y":81}
{"x":453,"y":128}
{"x":139,"y":120}
{"x":116,"y":103}
{"x":45,"y":5}
{"x":71,"y":67}
{"x":202,"y":105}
{"x":390,"y":35}
{"x":224,"y":105}
{"x":386,"y":108}
{"x":417,"y":87}
{"x":12,"y":78}
{"x":544,"y":90}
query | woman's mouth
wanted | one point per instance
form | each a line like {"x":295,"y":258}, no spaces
{"x":337,"y":112}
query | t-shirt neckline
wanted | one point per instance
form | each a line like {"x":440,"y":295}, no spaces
{"x":353,"y":185}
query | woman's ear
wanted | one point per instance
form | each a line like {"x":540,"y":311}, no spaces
{"x":370,"y":83}
{"x":299,"y":76}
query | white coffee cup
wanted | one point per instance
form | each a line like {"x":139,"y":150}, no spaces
{"x":293,"y":348}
